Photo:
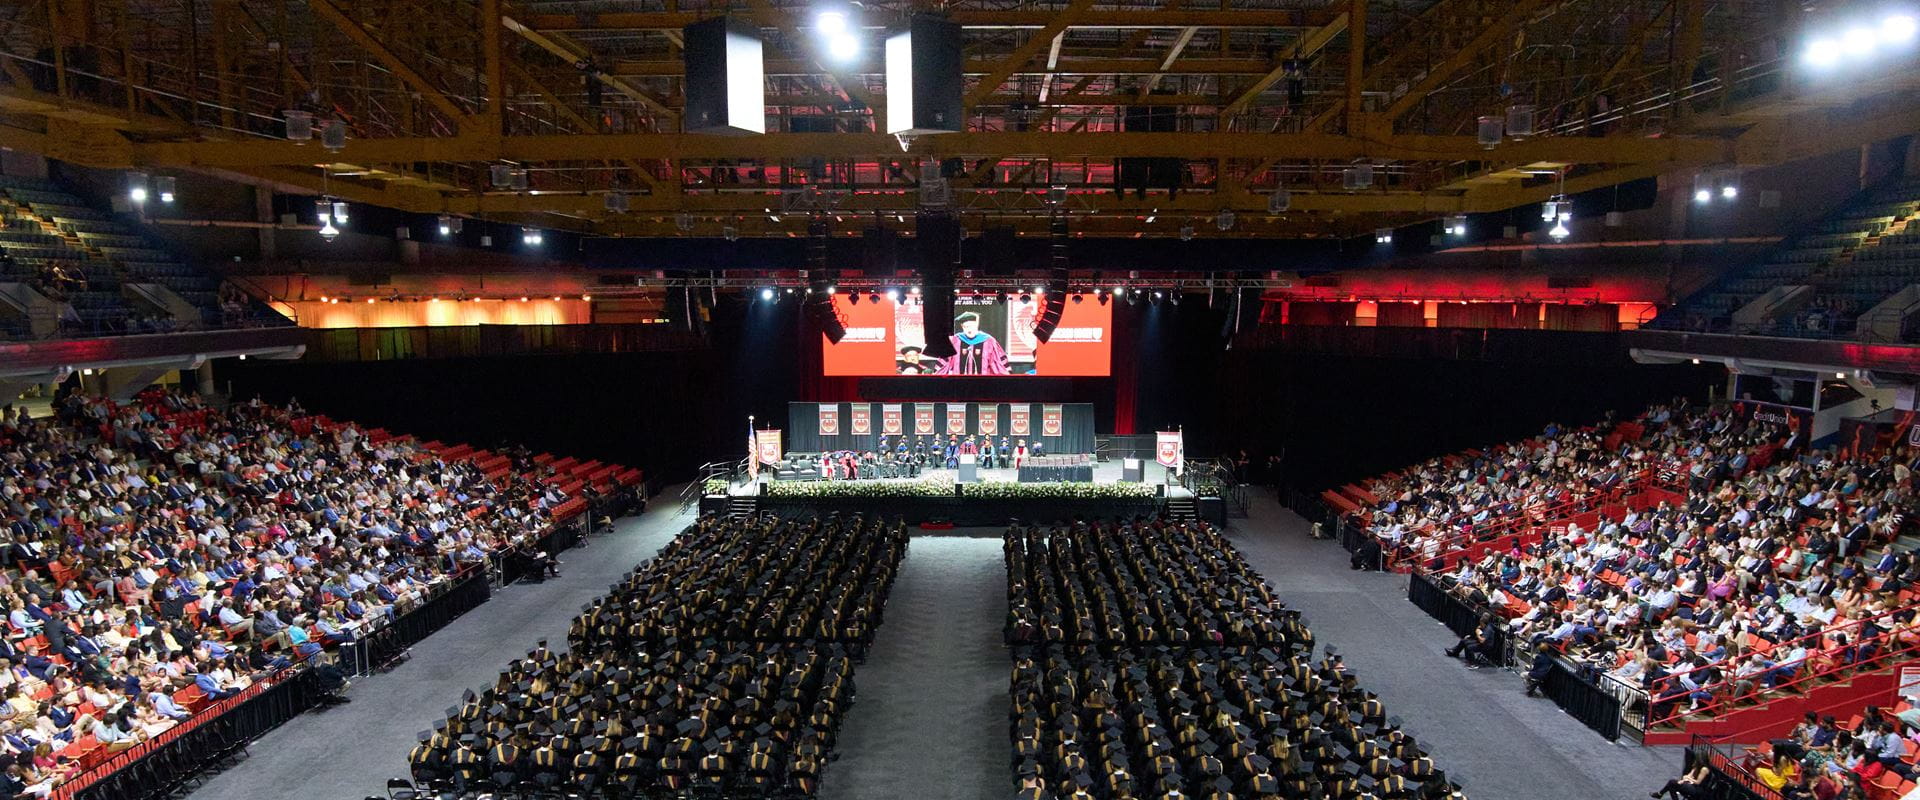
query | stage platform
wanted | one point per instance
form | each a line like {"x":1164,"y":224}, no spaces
{"x":956,"y":509}
{"x":1103,"y":472}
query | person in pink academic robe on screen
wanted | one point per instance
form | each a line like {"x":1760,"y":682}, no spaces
{"x":974,"y":352}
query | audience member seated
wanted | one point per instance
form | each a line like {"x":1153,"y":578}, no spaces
{"x":164,"y":555}
{"x":722,"y":666}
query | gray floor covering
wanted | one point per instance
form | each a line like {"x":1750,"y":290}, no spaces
{"x":930,"y":719}
{"x":349,"y":752}
{"x":1499,"y":743}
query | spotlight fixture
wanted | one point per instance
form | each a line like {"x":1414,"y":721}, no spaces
{"x":873,"y":297}
{"x":1078,"y":298}
{"x":1279,"y":201}
{"x":166,"y":186}
{"x":1224,"y":221}
{"x":137,"y":187}
{"x":1702,"y":196}
{"x":1550,"y":210}
{"x":1457,"y":225}
{"x":766,"y":294}
{"x":1157,"y":294}
{"x":333,"y":135}
{"x":1729,"y":191}
{"x":325,"y":211}
{"x":1382,"y":235}
{"x":1025,"y":298}
{"x":1559,"y":230}
{"x":853,"y":299}
{"x":1101,"y":296}
{"x":838,"y":34}
{"x":446,"y":225}
{"x":1186,"y":233}
{"x":531,"y":237}
{"x":340,"y":212}
{"x":893,"y":295}
{"x":1056,"y":195}
{"x":730,"y":233}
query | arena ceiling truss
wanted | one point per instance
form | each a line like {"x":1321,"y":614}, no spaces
{"x":1265,"y":96}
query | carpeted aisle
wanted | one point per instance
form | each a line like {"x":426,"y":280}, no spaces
{"x":349,"y":752}
{"x":1484,"y":730}
{"x":930,"y":721}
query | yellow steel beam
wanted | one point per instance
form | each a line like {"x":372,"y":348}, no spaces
{"x":800,"y":17}
{"x":1047,"y":144}
{"x":1303,"y":47}
{"x":1173,"y":53}
{"x":371,"y":43}
{"x":1055,"y":27}
{"x":984,"y":64}
{"x":1439,"y":74}
{"x":574,"y":53}
{"x":583,"y":124}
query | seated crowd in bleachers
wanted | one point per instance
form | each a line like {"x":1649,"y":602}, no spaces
{"x":1436,"y":507}
{"x":1762,"y":566}
{"x":1152,"y":662}
{"x":724,"y":664}
{"x":165,"y":554}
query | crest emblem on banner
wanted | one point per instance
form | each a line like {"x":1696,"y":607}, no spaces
{"x":830,"y":419}
{"x":956,"y":419}
{"x":768,"y":446}
{"x":1050,"y":417}
{"x":1170,"y":450}
{"x":1020,"y":420}
{"x":989,"y":423}
{"x":862,"y":419}
{"x":890,"y":422}
{"x":923,"y":419}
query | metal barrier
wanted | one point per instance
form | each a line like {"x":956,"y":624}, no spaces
{"x":1583,"y":699}
{"x":362,"y":656}
{"x":1452,"y":610}
{"x":161,"y":766}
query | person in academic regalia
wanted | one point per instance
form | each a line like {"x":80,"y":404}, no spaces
{"x":968,"y":448}
{"x":986,"y":452}
{"x":1019,"y":453}
{"x":952,"y":453}
{"x":975,"y":352}
{"x":1006,"y":453}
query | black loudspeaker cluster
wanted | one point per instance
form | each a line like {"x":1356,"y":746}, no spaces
{"x":938,"y":238}
{"x":726,"y":78}
{"x":923,"y":78}
{"x":1141,"y":174}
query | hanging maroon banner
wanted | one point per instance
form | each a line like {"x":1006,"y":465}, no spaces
{"x":923,"y":419}
{"x":956,"y":419}
{"x":989,"y":424}
{"x":1050,"y":419}
{"x":767,"y":446}
{"x":890,"y":422}
{"x":829,"y":419}
{"x":862,"y":416}
{"x":1020,"y":420}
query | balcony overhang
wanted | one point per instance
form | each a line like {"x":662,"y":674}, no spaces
{"x":52,"y":361}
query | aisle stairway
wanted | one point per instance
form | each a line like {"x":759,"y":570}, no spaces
{"x":1182,"y":509}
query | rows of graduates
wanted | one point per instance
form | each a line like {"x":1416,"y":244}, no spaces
{"x":1153,"y":663}
{"x":1136,"y":583}
{"x":724,"y":665}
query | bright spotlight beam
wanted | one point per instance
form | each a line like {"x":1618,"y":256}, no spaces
{"x":1899,"y":29}
{"x":1822,"y":53}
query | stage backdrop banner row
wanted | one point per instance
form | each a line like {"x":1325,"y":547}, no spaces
{"x":1064,"y":428}
{"x":890,"y":422}
{"x":862,"y":416}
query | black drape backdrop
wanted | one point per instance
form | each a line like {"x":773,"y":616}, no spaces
{"x":803,"y":426}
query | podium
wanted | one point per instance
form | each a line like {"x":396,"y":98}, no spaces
{"x":1132,"y":471}
{"x":969,"y":468}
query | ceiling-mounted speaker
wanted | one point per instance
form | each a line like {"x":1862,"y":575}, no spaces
{"x":726,"y":78}
{"x":924,"y":78}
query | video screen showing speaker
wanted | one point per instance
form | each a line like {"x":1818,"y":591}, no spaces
{"x":991,"y":336}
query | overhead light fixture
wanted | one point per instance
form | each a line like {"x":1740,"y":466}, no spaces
{"x":333,"y":135}
{"x":1153,"y":215}
{"x":894,"y":295}
{"x":1186,"y":233}
{"x":340,"y":212}
{"x":1224,"y":220}
{"x":1025,"y":298}
{"x":1382,"y":235}
{"x":1729,"y":191}
{"x":446,"y":225}
{"x":299,"y":125}
{"x":1559,"y":230}
{"x":1457,"y":225}
{"x":873,"y":297}
{"x":730,"y":233}
{"x":324,"y":209}
{"x":1101,"y":296}
{"x":1702,"y":196}
{"x":1858,"y":42}
{"x":766,"y":293}
{"x":1899,"y":29}
{"x":166,"y":186}
{"x":1550,"y":210}
{"x":1279,"y":201}
{"x":531,"y":237}
{"x":137,"y":187}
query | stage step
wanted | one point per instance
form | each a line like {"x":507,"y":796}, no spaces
{"x":1182,"y":509}
{"x":743,"y":506}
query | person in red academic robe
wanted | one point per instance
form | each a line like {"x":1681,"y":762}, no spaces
{"x":1019,"y":453}
{"x":975,"y":352}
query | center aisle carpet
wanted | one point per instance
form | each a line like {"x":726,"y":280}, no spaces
{"x":931,"y":720}
{"x":350,"y":751}
{"x":1495,"y":741}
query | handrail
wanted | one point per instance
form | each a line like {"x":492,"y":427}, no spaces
{"x":1834,"y":657}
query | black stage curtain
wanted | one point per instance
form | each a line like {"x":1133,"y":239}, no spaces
{"x":803,"y":427}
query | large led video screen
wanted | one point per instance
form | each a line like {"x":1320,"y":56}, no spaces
{"x":989,"y":338}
